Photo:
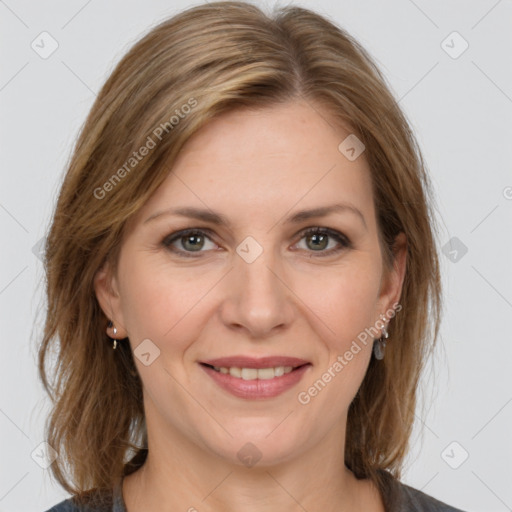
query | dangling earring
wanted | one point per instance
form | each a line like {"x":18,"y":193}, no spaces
{"x":114,"y":331}
{"x":379,"y":344}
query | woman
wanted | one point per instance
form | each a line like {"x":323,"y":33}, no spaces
{"x":243,"y":226}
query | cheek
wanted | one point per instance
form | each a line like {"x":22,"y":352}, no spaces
{"x":347,"y":306}
{"x":152,"y":300}
{"x":159,"y":302}
{"x":344,"y":301}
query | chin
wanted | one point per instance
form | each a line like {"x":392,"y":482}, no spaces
{"x":262,"y":447}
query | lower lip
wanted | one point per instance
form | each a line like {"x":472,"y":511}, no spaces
{"x":256,"y":388}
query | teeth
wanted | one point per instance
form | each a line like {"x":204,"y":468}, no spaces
{"x":235,"y":372}
{"x":255,"y":373}
{"x":265,"y":373}
{"x":248,"y":373}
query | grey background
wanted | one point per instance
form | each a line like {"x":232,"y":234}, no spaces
{"x":461,"y":111}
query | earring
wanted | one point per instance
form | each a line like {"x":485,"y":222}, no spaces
{"x":379,"y":344}
{"x":114,"y":331}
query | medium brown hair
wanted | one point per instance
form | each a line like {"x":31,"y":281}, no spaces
{"x":216,"y":58}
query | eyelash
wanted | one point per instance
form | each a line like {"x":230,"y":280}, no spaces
{"x":344,"y":242}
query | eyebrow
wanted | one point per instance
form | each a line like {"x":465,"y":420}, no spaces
{"x":220,"y":220}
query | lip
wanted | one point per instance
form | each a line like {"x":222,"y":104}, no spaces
{"x":256,"y":388}
{"x":255,"y":362}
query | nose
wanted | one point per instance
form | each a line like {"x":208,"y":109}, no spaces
{"x":258,"y":298}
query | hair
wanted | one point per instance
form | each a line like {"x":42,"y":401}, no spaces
{"x":195,"y":66}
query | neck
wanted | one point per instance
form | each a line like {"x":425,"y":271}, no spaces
{"x":179,"y":475}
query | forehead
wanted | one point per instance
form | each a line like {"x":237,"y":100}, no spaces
{"x":272,"y":158}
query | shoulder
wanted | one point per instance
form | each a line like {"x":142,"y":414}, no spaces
{"x":63,"y":506}
{"x":93,"y":501}
{"x":413,"y":500}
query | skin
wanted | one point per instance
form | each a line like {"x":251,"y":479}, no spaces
{"x":256,"y":168}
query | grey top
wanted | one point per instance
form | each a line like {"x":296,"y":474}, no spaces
{"x":412,"y":500}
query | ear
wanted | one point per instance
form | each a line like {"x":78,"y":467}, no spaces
{"x":392,"y":282}
{"x":109,"y":299}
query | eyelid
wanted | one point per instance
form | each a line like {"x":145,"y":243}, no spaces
{"x":333,"y":233}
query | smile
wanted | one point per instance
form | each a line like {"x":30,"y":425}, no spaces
{"x":254,"y":373}
{"x":256,"y":379}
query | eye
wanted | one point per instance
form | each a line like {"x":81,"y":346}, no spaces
{"x":317,"y":240}
{"x":188,"y":241}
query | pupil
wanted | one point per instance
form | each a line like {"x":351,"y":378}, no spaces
{"x":192,"y":237}
{"x":316,"y":236}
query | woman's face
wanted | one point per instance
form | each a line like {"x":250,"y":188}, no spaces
{"x":250,"y":281}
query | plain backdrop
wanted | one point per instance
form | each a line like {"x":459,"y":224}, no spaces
{"x":449,"y":65}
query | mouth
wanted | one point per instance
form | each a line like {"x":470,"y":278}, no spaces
{"x":254,"y":373}
{"x":253,"y":378}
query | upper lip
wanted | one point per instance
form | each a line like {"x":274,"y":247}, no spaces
{"x":254,"y":362}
